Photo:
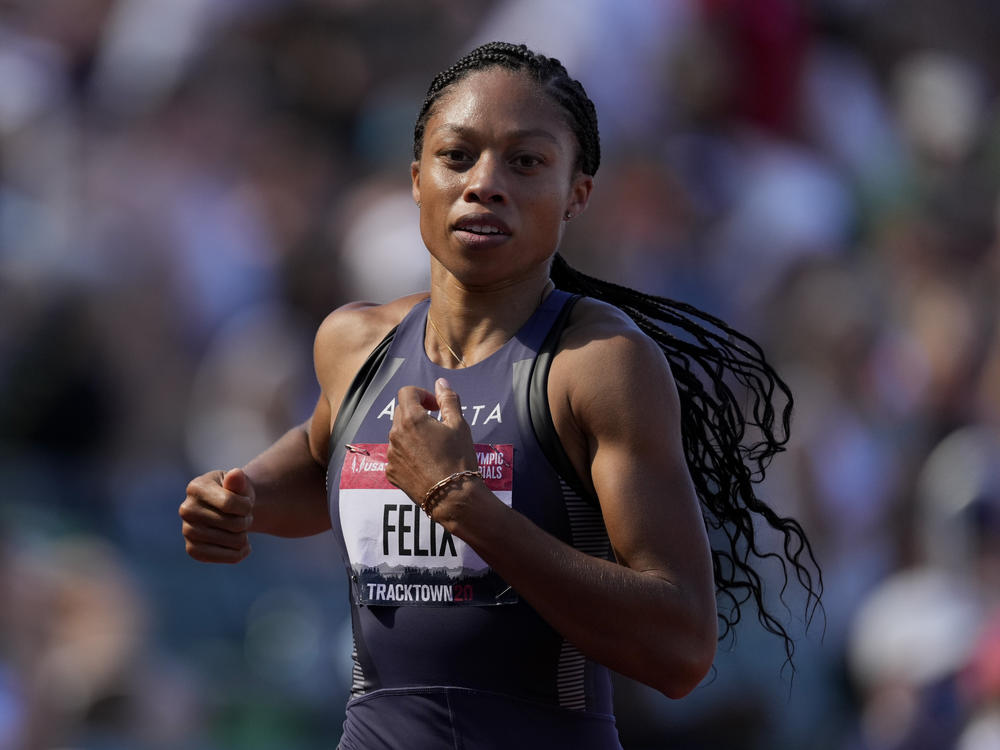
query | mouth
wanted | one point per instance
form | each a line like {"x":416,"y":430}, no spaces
{"x":482,"y":225}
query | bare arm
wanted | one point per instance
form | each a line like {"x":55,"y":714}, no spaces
{"x":279,"y":492}
{"x":283,"y":490}
{"x":650,"y":617}
{"x":289,"y":481}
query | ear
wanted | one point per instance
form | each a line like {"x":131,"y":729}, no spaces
{"x":579,"y":195}
{"x":415,"y":179}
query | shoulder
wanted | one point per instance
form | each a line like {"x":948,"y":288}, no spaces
{"x":606,"y":367}
{"x":347,"y":336}
{"x":597,"y":330}
{"x":357,"y":327}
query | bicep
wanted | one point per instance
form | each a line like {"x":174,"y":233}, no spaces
{"x":640,"y":474}
{"x":649,"y":506}
{"x":318,"y":431}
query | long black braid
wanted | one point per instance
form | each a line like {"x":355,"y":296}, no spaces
{"x":735,"y":409}
{"x":735,"y":416}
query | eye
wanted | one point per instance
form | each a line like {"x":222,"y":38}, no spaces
{"x":526,"y":161}
{"x":455,"y":155}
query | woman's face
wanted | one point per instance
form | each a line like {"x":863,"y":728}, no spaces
{"x":495,"y":179}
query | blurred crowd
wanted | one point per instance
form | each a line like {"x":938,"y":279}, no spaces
{"x":187,"y":188}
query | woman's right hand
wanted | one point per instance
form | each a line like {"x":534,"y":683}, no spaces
{"x":216,"y":515}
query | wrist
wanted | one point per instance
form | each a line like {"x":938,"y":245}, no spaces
{"x":433,"y":497}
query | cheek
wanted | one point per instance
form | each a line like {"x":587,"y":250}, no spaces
{"x":557,"y":232}
{"x":547,"y":212}
{"x":430,"y":227}
{"x":435,"y":195}
{"x":439,"y":179}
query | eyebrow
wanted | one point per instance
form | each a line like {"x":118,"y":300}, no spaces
{"x":465,"y":132}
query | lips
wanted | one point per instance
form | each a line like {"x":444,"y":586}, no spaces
{"x":481,"y":231}
{"x":482,"y":224}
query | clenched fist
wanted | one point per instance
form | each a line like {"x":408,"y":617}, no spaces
{"x":216,"y":516}
{"x":422,"y":449}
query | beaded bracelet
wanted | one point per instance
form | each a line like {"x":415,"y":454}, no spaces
{"x":434,"y":494}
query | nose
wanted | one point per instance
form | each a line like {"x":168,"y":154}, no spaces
{"x":485,"y":181}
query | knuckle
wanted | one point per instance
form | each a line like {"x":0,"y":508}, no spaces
{"x":229,"y":504}
{"x":233,"y":524}
{"x":200,"y":483}
{"x":188,"y":510}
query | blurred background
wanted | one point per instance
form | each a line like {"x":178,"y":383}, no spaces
{"x":188,"y":187}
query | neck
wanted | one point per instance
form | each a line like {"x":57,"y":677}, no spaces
{"x":469,"y":324}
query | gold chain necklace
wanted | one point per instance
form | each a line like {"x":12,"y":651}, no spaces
{"x":444,"y":340}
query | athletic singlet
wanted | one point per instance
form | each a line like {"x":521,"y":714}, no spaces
{"x":446,"y":654}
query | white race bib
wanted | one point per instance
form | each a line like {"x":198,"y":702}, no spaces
{"x":401,"y":557}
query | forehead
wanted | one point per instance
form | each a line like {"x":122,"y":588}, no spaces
{"x":498,"y":100}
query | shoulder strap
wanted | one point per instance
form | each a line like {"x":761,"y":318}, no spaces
{"x":359,"y":386}
{"x":540,"y":413}
{"x":537,"y":398}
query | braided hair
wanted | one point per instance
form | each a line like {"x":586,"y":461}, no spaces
{"x":546,"y":71}
{"x":735,"y":409}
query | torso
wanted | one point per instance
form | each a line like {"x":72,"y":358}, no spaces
{"x":352,"y":332}
{"x":428,"y":614}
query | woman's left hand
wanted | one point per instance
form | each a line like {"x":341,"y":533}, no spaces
{"x":422,"y":449}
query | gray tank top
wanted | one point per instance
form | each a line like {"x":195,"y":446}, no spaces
{"x":427,"y":612}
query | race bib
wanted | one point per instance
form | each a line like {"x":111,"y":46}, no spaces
{"x":398,"y":555}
